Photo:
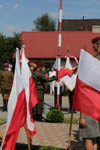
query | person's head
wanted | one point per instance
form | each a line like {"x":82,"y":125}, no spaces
{"x":40,"y":65}
{"x":96,"y":44}
{"x":52,"y":69}
{"x":32,"y":66}
{"x":43,"y":68}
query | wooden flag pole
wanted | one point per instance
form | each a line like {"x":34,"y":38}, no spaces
{"x":70,"y":131}
{"x":28,"y":139}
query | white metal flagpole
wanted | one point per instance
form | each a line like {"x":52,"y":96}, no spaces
{"x":59,"y":55}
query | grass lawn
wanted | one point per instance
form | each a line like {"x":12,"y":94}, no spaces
{"x":74,"y":121}
{"x":2,"y":121}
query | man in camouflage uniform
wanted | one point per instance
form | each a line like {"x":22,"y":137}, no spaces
{"x":40,"y":80}
{"x":6,"y":79}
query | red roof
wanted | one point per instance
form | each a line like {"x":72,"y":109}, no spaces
{"x":45,"y":44}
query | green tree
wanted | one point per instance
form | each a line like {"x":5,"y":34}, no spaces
{"x":8,"y":47}
{"x":45,"y":23}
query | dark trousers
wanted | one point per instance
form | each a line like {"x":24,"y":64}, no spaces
{"x":55,"y":97}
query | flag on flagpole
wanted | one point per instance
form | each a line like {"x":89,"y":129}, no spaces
{"x":87,"y":91}
{"x":16,"y":110}
{"x":63,"y":71}
{"x":68,"y":63}
{"x":69,"y":81}
{"x":19,"y":113}
{"x":55,"y":65}
{"x":31,"y":94}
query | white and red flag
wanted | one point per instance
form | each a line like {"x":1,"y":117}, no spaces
{"x":63,"y":71}
{"x":69,"y":80}
{"x":87,"y":91}
{"x":30,"y":93}
{"x":19,"y":113}
{"x":68,"y":63}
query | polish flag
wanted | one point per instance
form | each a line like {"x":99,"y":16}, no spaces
{"x":55,"y":65}
{"x":87,"y":91}
{"x":68,"y":63}
{"x":64,"y":72}
{"x":30,"y":93}
{"x":18,"y":110}
{"x":69,"y":80}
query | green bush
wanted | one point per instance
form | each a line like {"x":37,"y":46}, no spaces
{"x":55,"y":115}
{"x":49,"y":148}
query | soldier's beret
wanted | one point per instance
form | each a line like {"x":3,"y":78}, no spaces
{"x":94,"y":40}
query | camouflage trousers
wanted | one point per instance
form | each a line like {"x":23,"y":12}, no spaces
{"x":39,"y":108}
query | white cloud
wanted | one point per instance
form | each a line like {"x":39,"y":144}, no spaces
{"x":13,"y":28}
{"x":15,"y":6}
{"x":1,"y":6}
{"x":54,"y":15}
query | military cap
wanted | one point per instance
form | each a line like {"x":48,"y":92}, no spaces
{"x":94,"y":40}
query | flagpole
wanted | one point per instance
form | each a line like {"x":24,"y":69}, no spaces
{"x":70,"y":131}
{"x":28,"y":139}
{"x":26,"y":129}
{"x":70,"y":127}
{"x":68,"y":51}
{"x":59,"y":55}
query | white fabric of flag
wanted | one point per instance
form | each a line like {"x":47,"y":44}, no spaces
{"x":69,"y":81}
{"x":89,"y":70}
{"x":55,"y":65}
{"x":22,"y":98}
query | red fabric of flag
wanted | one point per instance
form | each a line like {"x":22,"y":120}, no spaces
{"x":87,"y":100}
{"x":64,"y":72}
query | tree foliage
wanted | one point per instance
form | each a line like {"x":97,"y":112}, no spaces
{"x":8,"y":47}
{"x":45,"y":23}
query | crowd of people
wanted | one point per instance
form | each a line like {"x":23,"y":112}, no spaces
{"x":88,"y":127}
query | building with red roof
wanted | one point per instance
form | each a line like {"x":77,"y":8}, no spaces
{"x":44,"y":45}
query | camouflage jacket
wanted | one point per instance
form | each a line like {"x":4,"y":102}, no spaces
{"x":40,"y":80}
{"x":6,"y":79}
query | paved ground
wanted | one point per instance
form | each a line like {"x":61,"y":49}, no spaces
{"x":53,"y":134}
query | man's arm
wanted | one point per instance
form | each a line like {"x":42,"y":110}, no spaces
{"x":82,"y":120}
{"x":44,"y":79}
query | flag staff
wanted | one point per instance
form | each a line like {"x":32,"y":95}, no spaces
{"x":28,"y":139}
{"x":70,"y":131}
{"x":26,"y":128}
{"x":59,"y":54}
{"x":67,"y":51}
{"x":70,"y":127}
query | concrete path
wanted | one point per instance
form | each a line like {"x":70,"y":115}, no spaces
{"x":53,"y":134}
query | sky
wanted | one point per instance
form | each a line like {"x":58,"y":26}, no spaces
{"x":19,"y":15}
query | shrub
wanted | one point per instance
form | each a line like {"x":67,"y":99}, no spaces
{"x":55,"y":115}
{"x":49,"y":148}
